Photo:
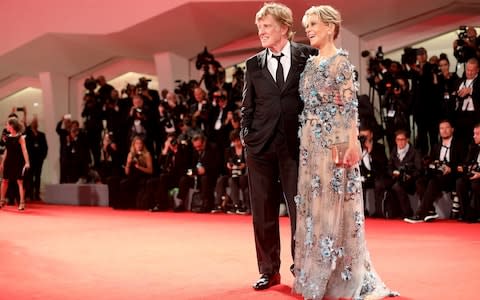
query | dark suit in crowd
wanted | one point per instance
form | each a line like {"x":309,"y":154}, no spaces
{"x":37,"y":148}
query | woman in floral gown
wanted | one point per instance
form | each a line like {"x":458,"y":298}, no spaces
{"x":331,"y":257}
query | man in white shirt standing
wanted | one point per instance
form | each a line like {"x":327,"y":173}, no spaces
{"x":467,"y":112}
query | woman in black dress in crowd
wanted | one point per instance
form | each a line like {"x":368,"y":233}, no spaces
{"x":15,"y":161}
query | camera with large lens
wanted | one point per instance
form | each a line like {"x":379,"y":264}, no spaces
{"x":136,"y":159}
{"x":460,"y":52}
{"x":374,"y":61}
{"x":403,"y":173}
{"x":437,"y":167}
{"x":236,"y":167}
{"x":90,"y":84}
{"x":409,"y":56}
{"x":470,"y":169}
{"x":205,"y":59}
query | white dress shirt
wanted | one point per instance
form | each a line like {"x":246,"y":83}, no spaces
{"x":445,"y":150}
{"x":286,"y":60}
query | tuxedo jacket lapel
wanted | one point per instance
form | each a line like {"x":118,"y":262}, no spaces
{"x":262,"y":64}
{"x":298,"y":57}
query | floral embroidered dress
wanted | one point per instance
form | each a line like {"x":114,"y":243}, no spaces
{"x":331,"y":257}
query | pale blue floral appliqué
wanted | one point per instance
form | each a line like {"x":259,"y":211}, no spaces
{"x":316,"y":185}
{"x":359,"y":220}
{"x":309,"y":232}
{"x":298,"y":200}
{"x":354,"y":183}
{"x":347,"y":273}
{"x":304,"y":157}
{"x":337,"y":180}
{"x":368,"y":284}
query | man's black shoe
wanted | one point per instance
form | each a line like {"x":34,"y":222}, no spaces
{"x":179,"y":208}
{"x":415,"y":219}
{"x":155,"y":209}
{"x":266,"y":281}
{"x":431,"y":215}
{"x":217,"y":209}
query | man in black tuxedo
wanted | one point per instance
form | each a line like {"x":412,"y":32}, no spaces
{"x":373,"y":168}
{"x":468,"y":185}
{"x":37,"y":152}
{"x":270,"y":108}
{"x":441,"y":175}
{"x":204,"y":168}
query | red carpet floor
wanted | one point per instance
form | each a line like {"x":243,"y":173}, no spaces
{"x":64,"y":252}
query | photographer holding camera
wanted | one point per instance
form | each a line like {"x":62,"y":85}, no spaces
{"x":396,"y":109}
{"x":237,"y":179}
{"x":105,"y":90}
{"x":441,"y":173}
{"x":373,"y":167}
{"x":174,"y":159}
{"x":200,"y":110}
{"x":446,"y":83}
{"x":211,"y":70}
{"x":426,"y":108}
{"x":204,"y":170}
{"x":140,"y":122}
{"x":404,"y":168}
{"x":467,"y":45}
{"x":138,"y":169}
{"x":468,"y":185}
{"x":150,"y":97}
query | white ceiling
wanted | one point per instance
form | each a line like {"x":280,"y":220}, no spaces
{"x":186,"y":29}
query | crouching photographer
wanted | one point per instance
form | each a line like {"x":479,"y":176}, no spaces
{"x":466,"y":202}
{"x":173,"y":160}
{"x":404,"y":168}
{"x":441,"y":173}
{"x":373,"y":168}
{"x":237,"y":180}
{"x":201,"y":174}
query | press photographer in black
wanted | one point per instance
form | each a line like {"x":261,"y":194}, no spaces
{"x":373,"y":168}
{"x":404,"y":167}
{"x":174,"y":160}
{"x":204,"y":169}
{"x":446,"y":83}
{"x":396,"y":109}
{"x":237,"y":179}
{"x":467,"y":45}
{"x":151,"y":97}
{"x":441,"y":173}
{"x":211,"y":67}
{"x":426,"y":108}
{"x":140,"y":122}
{"x":468,"y":184}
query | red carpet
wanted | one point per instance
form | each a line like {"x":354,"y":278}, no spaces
{"x":63,"y":252}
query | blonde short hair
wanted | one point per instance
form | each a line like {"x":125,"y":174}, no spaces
{"x":280,"y":12}
{"x":326,"y":14}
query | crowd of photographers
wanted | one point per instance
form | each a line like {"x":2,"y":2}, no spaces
{"x":429,"y":117}
{"x":153,"y":149}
